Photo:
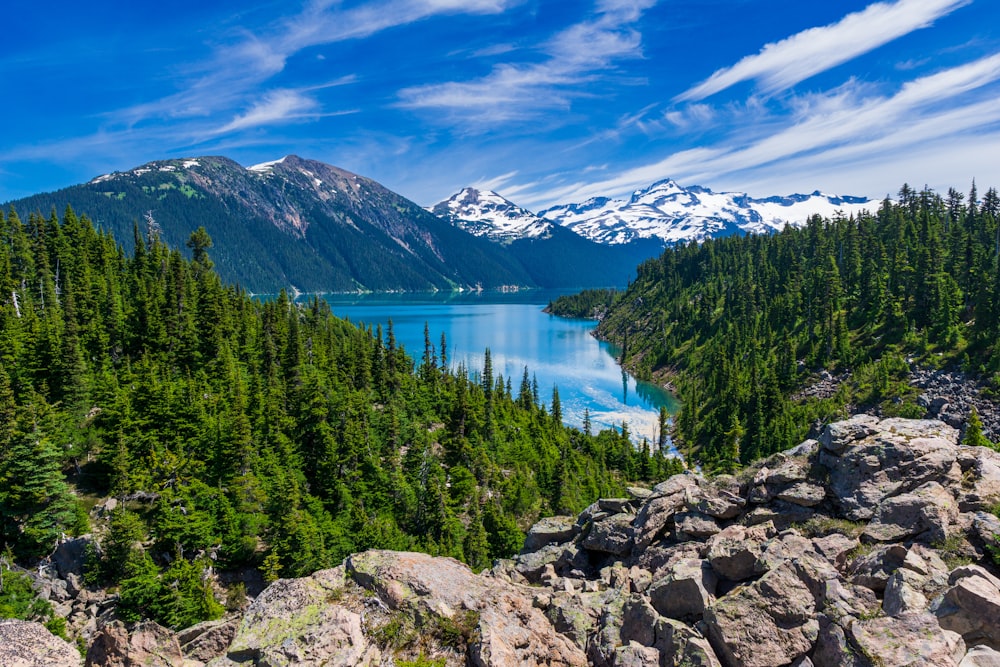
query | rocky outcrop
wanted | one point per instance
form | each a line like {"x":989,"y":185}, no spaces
{"x":832,"y":553}
{"x":30,"y":644}
{"x":870,"y":545}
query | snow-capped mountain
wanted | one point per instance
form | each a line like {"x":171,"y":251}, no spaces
{"x":672,"y":213}
{"x":485,"y":213}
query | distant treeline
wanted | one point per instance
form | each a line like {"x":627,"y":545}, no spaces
{"x":741,"y":324}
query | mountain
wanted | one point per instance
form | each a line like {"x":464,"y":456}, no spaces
{"x":485,"y":213}
{"x":672,"y":213}
{"x":552,"y":255}
{"x":290,"y":222}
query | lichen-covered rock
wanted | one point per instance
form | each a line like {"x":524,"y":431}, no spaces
{"x":926,"y":513}
{"x":909,"y":640}
{"x":29,"y":644}
{"x":734,"y":553}
{"x":802,"y":493}
{"x":971,"y":607}
{"x":898,"y":457}
{"x":654,"y":516}
{"x":508,"y":630}
{"x":612,"y":535}
{"x":550,"y":530}
{"x":208,"y":640}
{"x":695,"y":525}
{"x":981,"y":656}
{"x":766,"y":624}
{"x":685,"y":589}
{"x":298,"y":621}
{"x":147,"y":645}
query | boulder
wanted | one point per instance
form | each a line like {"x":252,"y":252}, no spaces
{"x":506,"y":629}
{"x":695,"y":525}
{"x":902,"y":593}
{"x":982,"y":467}
{"x":69,"y":555}
{"x":612,"y":535}
{"x":686,"y":589}
{"x":716,"y":502}
{"x":550,"y":530}
{"x":147,"y":645}
{"x":971,"y":607}
{"x":297,"y":621}
{"x":615,"y":505}
{"x":911,"y":639}
{"x":926,"y":514}
{"x":837,"y":436}
{"x":873,"y":570}
{"x":207,"y":640}
{"x":899,"y":457}
{"x":654,"y":516}
{"x":735,"y":551}
{"x":769,"y":623}
{"x":833,"y":649}
{"x":30,"y":644}
{"x":981,"y":656}
{"x":802,"y":493}
{"x":636,"y":655}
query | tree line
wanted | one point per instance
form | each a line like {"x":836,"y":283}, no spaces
{"x":237,"y":432}
{"x":741,"y":325}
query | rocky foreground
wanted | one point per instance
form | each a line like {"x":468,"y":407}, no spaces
{"x":871,"y":546}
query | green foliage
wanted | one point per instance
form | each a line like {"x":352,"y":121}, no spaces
{"x":269,"y":434}
{"x":743,"y":324}
{"x":19,"y":600}
{"x":588,"y":304}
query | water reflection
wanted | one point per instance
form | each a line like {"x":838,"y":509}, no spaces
{"x":558,"y":352}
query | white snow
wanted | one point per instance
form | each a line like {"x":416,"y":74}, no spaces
{"x":168,"y":167}
{"x":265,"y":167}
{"x":187,"y":164}
{"x":485,"y":213}
{"x":673,"y":213}
{"x":102,"y":178}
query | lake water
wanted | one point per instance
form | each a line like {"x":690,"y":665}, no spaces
{"x":559,"y":352}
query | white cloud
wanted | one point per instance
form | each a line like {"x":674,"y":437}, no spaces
{"x":829,"y":134}
{"x":780,"y":65}
{"x":514,"y":91}
{"x":277,"y":106}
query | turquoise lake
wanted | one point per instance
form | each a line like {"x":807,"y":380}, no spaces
{"x":559,"y":352}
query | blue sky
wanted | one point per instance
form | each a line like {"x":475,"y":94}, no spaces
{"x":545,"y":102}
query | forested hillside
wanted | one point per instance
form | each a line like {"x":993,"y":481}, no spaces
{"x":742,"y":325}
{"x":267,"y":435}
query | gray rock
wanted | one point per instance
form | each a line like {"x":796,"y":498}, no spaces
{"x":901,"y":456}
{"x":873,"y":570}
{"x":927,"y":513}
{"x":636,"y":655}
{"x":686,"y":589}
{"x":789,"y":545}
{"x":639,"y":621}
{"x":902,"y":593}
{"x":29,"y":644}
{"x":695,"y":525}
{"x":836,"y":437}
{"x":615,"y":505}
{"x":508,"y":629}
{"x":70,"y":554}
{"x":148,"y":644}
{"x":716,"y":503}
{"x":769,"y":623}
{"x":835,"y":547}
{"x":613,"y":535}
{"x":208,"y":640}
{"x":833,"y":649}
{"x":981,"y":656}
{"x":971,"y":607}
{"x":911,"y":639}
{"x":735,"y":551}
{"x":654,"y":516}
{"x":550,"y":530}
{"x":803,"y":493}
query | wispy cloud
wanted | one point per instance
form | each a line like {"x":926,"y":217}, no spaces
{"x":517,"y":90}
{"x":832,"y":130}
{"x":780,"y":65}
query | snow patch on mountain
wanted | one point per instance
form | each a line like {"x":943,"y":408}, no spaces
{"x":265,"y":167}
{"x":673,"y":213}
{"x":485,"y":213}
